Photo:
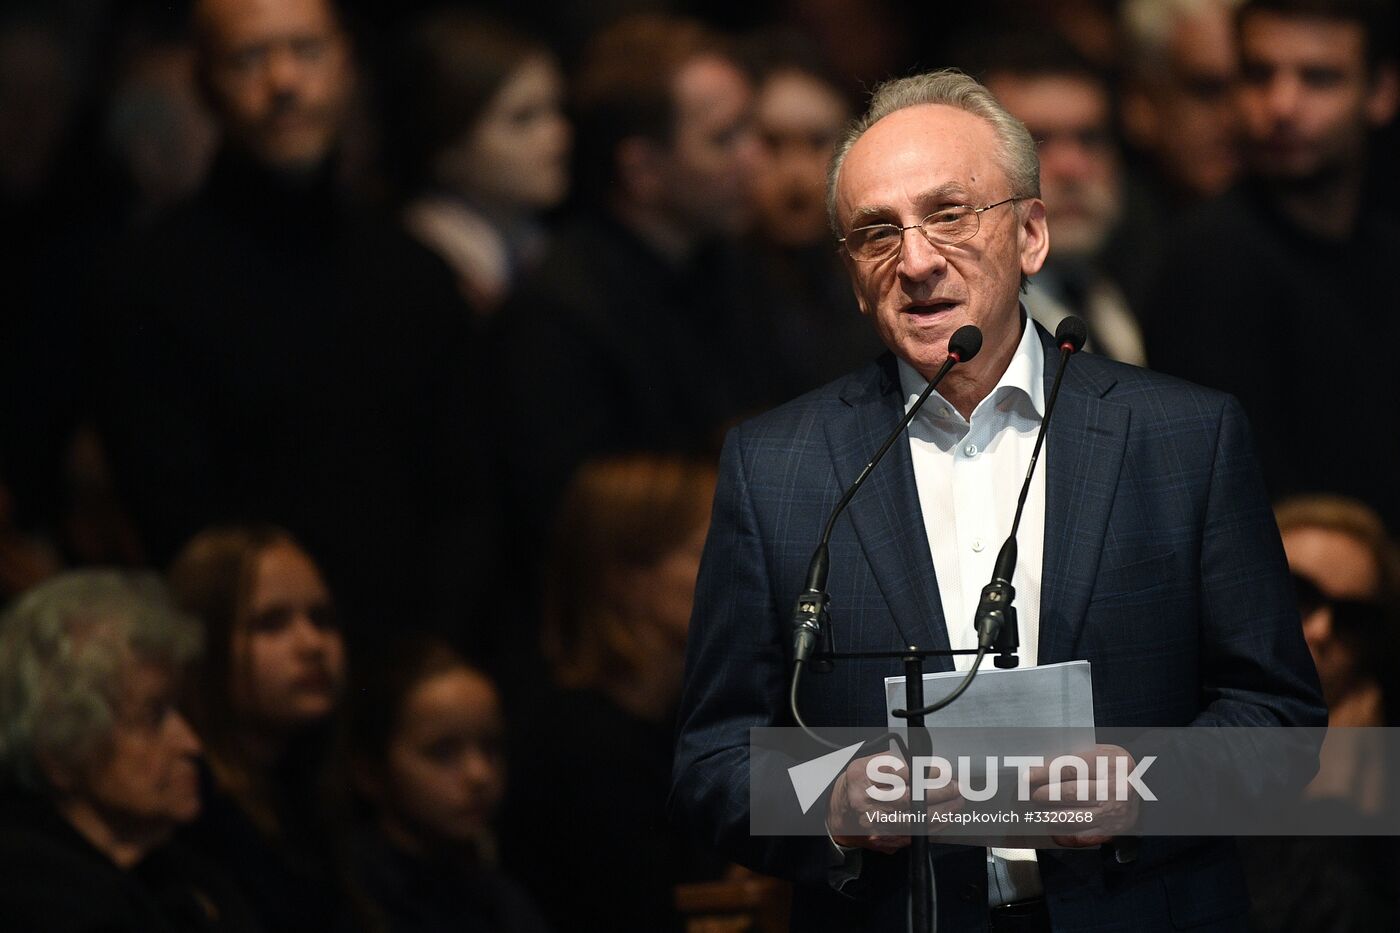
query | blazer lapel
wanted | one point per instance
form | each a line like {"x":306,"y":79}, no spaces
{"x":887,"y":518}
{"x":1086,"y":443}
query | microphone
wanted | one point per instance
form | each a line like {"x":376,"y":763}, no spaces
{"x":809,"y":617}
{"x":996,"y":616}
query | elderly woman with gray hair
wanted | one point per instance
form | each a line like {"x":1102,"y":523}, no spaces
{"x":97,"y":767}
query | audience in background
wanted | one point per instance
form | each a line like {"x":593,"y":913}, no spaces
{"x":476,"y":117}
{"x":1258,"y":288}
{"x":1178,"y":113}
{"x":1067,"y":106}
{"x":620,"y":580}
{"x":429,"y":760}
{"x":264,"y":700}
{"x":1347,"y":572}
{"x":98,"y":767}
{"x":644,"y":327}
{"x":273,"y":351}
{"x":1179,"y":120}
{"x":799,"y":112}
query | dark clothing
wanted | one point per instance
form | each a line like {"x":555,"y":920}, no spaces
{"x":1302,"y":330}
{"x":1321,"y":884}
{"x":421,"y":895}
{"x":272,"y":353}
{"x":292,"y":883}
{"x":586,"y":824}
{"x":610,"y":347}
{"x":818,"y":331}
{"x":52,"y":880}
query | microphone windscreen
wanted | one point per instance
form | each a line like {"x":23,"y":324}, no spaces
{"x":1073,"y":332}
{"x":965,"y":342}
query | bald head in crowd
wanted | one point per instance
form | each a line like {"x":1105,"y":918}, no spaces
{"x":278,"y":75}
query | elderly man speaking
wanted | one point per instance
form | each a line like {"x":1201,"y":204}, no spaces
{"x":1147,"y":545}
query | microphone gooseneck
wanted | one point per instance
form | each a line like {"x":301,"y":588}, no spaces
{"x":809,"y":618}
{"x":996,"y":616}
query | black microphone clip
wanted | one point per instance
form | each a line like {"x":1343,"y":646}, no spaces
{"x":997,"y":627}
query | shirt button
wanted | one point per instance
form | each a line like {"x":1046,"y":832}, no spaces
{"x":970,"y":450}
{"x":945,"y":411}
{"x":977,"y":545}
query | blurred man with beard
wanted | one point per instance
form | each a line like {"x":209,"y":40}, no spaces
{"x":274,"y":351}
{"x":1066,"y":106}
{"x":1300,"y":254}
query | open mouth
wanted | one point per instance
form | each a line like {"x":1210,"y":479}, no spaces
{"x":931,"y":307}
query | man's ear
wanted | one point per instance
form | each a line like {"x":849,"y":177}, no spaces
{"x":1384,"y":95}
{"x":1033,"y":236}
{"x":641,"y":169}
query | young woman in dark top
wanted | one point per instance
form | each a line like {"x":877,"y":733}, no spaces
{"x":264,"y":703}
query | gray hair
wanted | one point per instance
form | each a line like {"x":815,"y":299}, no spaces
{"x":66,"y":647}
{"x":951,"y":87}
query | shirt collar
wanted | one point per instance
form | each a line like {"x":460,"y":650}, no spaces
{"x":1023,"y":379}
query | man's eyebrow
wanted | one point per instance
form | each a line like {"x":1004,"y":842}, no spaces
{"x":951,"y":192}
{"x":872,"y":214}
{"x":947,"y":193}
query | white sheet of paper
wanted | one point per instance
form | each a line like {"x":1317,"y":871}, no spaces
{"x":1047,"y":696}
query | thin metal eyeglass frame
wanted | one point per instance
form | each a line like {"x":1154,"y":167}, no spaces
{"x":976,"y":212}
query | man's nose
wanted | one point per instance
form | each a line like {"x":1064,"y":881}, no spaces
{"x":919,"y":259}
{"x":1282,"y":96}
{"x":311,"y":638}
{"x":184,"y":735}
{"x":283,"y":70}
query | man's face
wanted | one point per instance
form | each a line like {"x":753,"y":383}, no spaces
{"x":711,"y":156}
{"x":1197,"y":131}
{"x":799,"y":120}
{"x":279,"y":74}
{"x":1069,"y":118}
{"x":906,"y":166}
{"x":1306,"y":98}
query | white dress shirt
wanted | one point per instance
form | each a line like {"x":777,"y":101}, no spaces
{"x":969,"y":474}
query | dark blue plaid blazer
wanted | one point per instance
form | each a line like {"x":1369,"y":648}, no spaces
{"x":1162,"y":567}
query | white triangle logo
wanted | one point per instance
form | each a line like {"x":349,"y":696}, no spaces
{"x":811,"y":778}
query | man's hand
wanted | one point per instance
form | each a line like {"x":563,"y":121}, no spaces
{"x":1112,"y":817}
{"x":850,"y":816}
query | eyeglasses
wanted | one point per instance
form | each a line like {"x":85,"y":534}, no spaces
{"x":1350,"y":614}
{"x":947,"y":226}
